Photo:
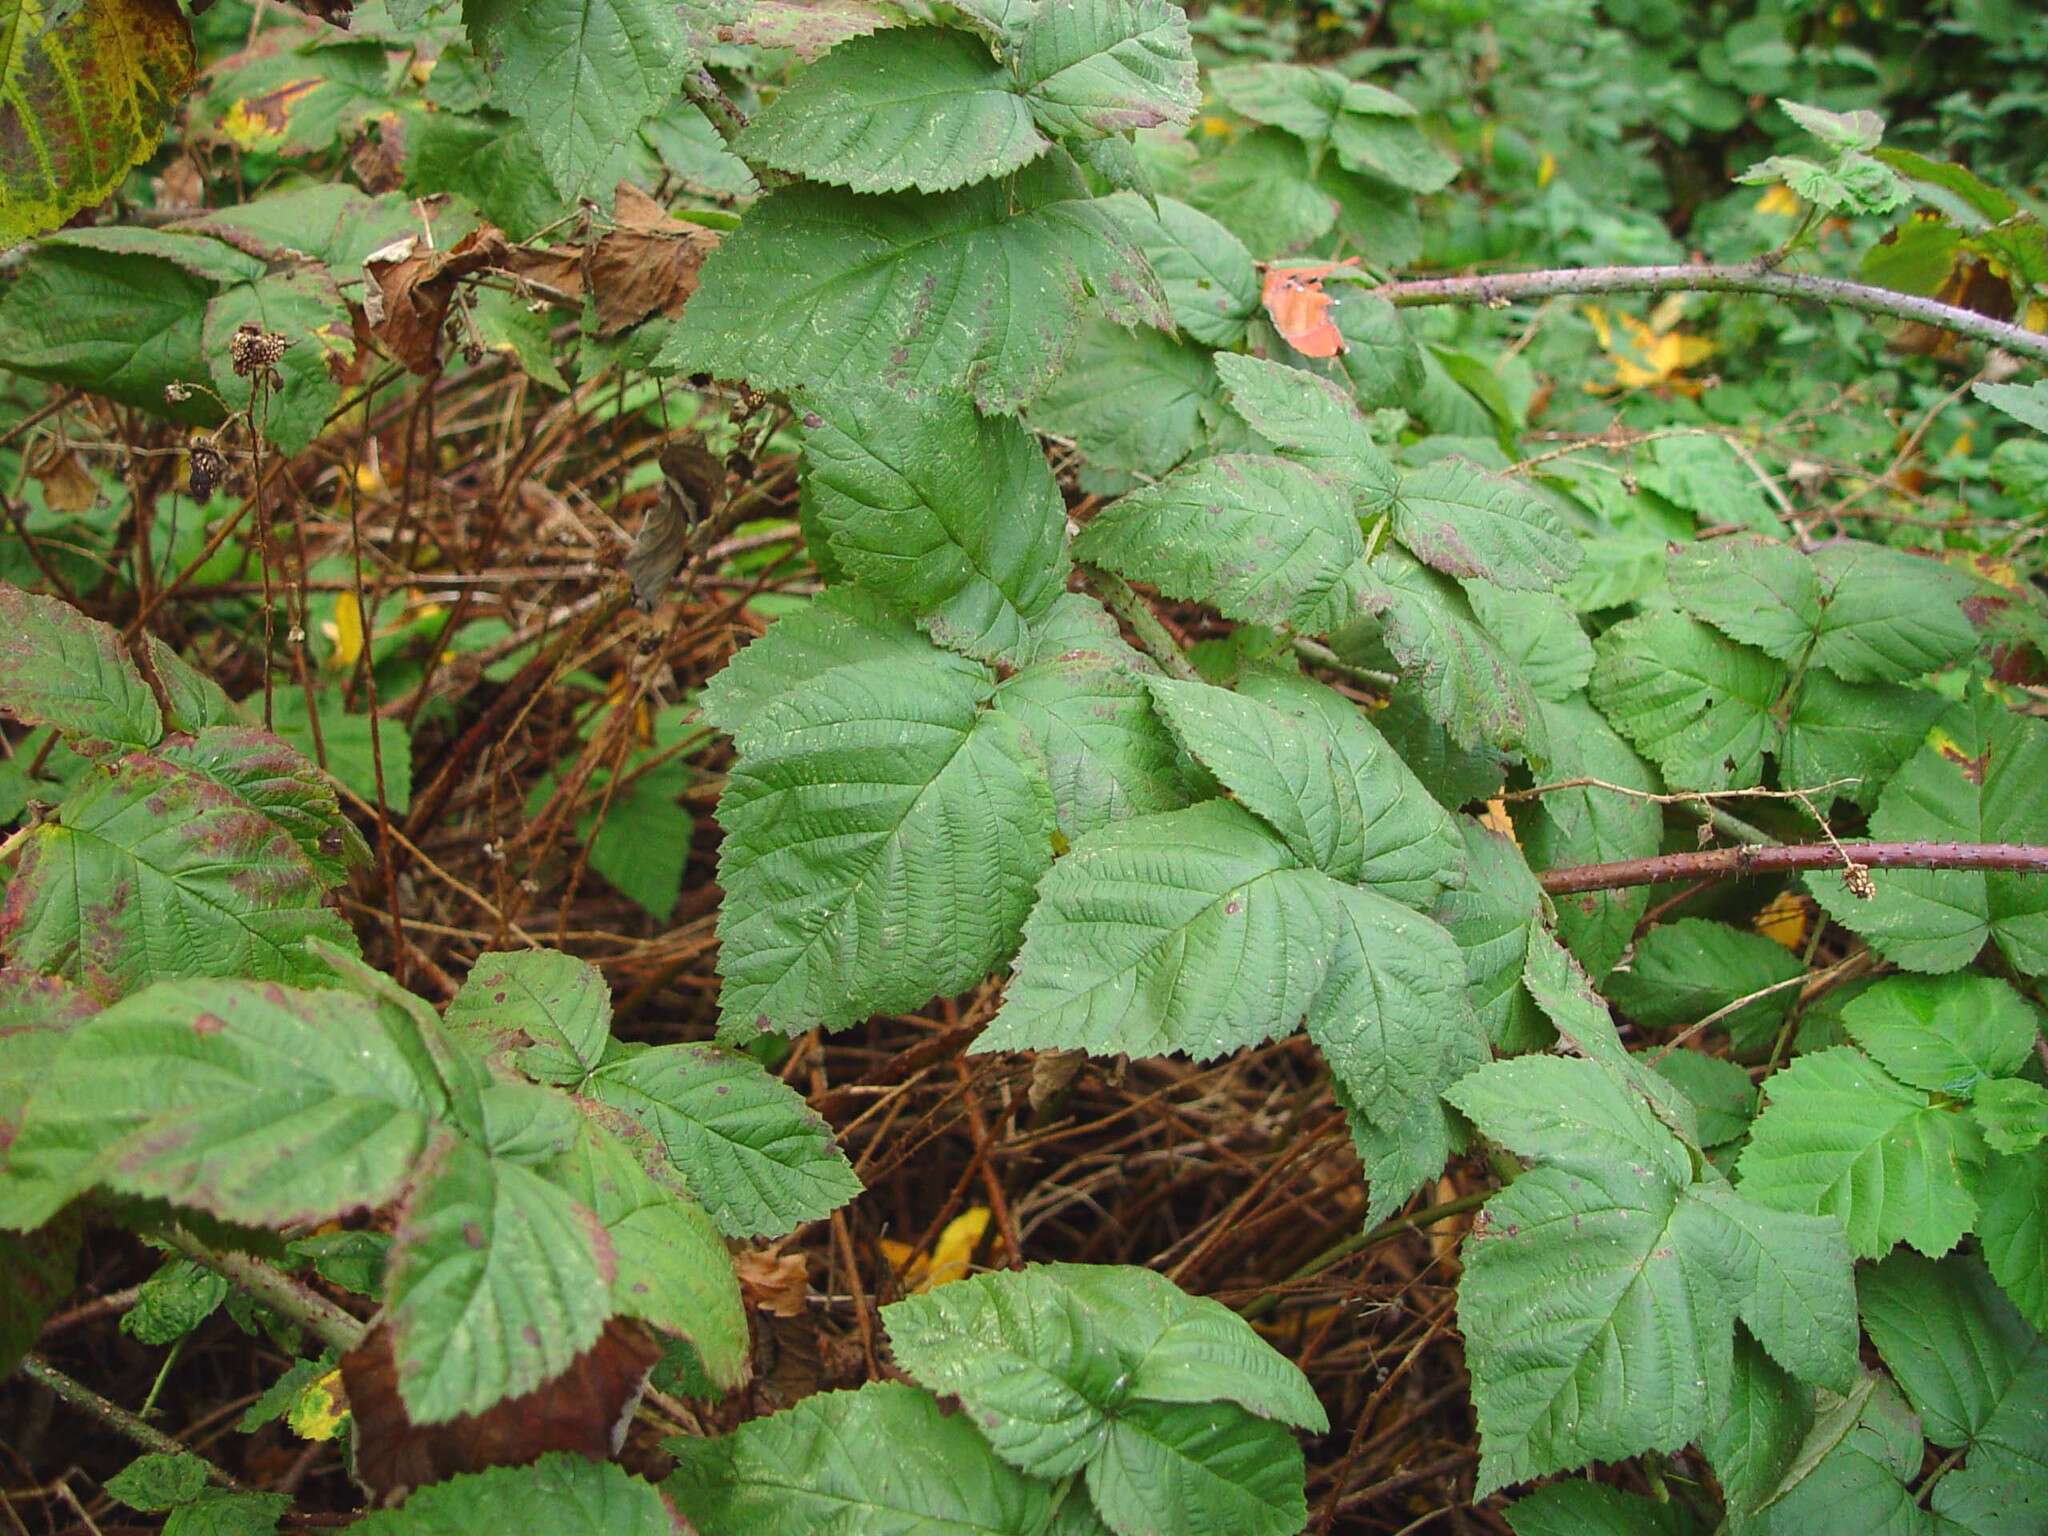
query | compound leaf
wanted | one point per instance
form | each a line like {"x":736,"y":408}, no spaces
{"x":1695,"y":703}
{"x":1887,"y":616}
{"x":1107,"y":67}
{"x":1946,"y":1034}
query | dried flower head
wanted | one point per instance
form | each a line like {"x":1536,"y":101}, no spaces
{"x":205,"y":468}
{"x":252,"y":349}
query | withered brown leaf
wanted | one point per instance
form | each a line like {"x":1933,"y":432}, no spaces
{"x":409,"y":291}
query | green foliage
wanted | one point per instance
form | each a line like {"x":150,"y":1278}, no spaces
{"x":1621,"y":572}
{"x":1167,"y":1409}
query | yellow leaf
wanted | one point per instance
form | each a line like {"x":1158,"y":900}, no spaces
{"x":1784,"y":920}
{"x":952,"y":1254}
{"x":320,"y":1410}
{"x":1778,"y":200}
{"x":346,"y":632}
{"x":1546,"y":169}
{"x":1496,"y":819}
{"x":1214,"y":127}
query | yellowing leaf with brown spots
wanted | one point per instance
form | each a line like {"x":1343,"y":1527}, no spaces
{"x":319,"y":1412}
{"x":85,"y":93}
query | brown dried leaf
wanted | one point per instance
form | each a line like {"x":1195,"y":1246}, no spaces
{"x":775,"y":1283}
{"x":692,"y":481}
{"x":646,"y":265}
{"x":409,"y":291}
{"x":585,"y":1410}
{"x":68,"y":486}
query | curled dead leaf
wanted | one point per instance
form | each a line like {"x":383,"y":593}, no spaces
{"x":646,"y":265}
{"x":692,"y":484}
{"x":410,"y":290}
{"x":775,"y":1283}
{"x":1300,"y":309}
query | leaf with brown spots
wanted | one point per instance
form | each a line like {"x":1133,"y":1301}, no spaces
{"x":60,"y":668}
{"x":584,"y":1409}
{"x":499,"y":1279}
{"x":87,"y":91}
{"x":152,"y":871}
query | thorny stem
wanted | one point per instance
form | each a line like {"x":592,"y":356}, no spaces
{"x":113,"y":1415}
{"x":1746,"y":277}
{"x":1727,"y":863}
{"x":276,"y":1290}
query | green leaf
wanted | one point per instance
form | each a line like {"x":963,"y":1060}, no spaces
{"x":982,"y":288}
{"x":1758,"y":591}
{"x":1462,"y":520}
{"x":1978,"y":1377}
{"x":1694,"y":703}
{"x":113,"y":320}
{"x":1303,"y":100}
{"x":1046,"y":1360}
{"x":583,"y":75}
{"x":1946,"y":1034}
{"x":1976,"y":780}
{"x":158,"y":1482}
{"x":915,"y":107}
{"x":499,"y":1279}
{"x":1577,"y":1508}
{"x":1590,"y":825}
{"x":948,"y":514}
{"x":290,"y":791}
{"x":1887,"y":616}
{"x":1133,"y":401}
{"x":2013,"y":1229}
{"x":1573,"y":1114}
{"x":1380,"y":358}
{"x":759,"y":1159}
{"x":1259,"y":539}
{"x":90,"y":89}
{"x":1492,"y":916}
{"x":1107,"y":67}
{"x":2025,"y":403}
{"x":226,"y":1512}
{"x":2012,"y":1112}
{"x":347,"y":740}
{"x":1541,"y":636}
{"x":151,"y":871}
{"x":1261,"y":190}
{"x":552,"y":1008}
{"x":836,"y":1460}
{"x":1314,"y":423}
{"x":60,"y":668}
{"x":1185,"y":1468}
{"x":1684,"y":971}
{"x":883,"y":833}
{"x":1328,"y":784}
{"x":255,"y":1103}
{"x":1753,"y":1446}
{"x":1844,"y":731}
{"x":581,"y":1497}
{"x":172,"y":1302}
{"x":1466,"y":682}
{"x":1721,"y":1093}
{"x":1597,"y":1302}
{"x":1392,"y":149}
{"x":1801,"y":1304}
{"x":1190,"y":932}
{"x":670,"y":1266}
{"x":1838,"y":1136}
{"x":1850,"y":1471}
{"x":296,"y":96}
{"x":1207,"y":275}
